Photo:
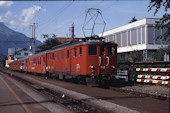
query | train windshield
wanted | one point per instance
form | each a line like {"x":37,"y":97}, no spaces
{"x":92,"y":50}
{"x":111,"y":50}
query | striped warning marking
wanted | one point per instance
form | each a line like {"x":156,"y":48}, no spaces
{"x":154,"y":77}
{"x":154,"y":69}
{"x":153,"y":81}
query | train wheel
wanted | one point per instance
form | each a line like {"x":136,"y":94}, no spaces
{"x":104,"y":84}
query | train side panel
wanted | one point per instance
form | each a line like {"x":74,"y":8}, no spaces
{"x":35,"y":65}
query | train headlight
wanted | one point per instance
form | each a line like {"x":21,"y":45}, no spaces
{"x":113,"y":67}
{"x":92,"y":67}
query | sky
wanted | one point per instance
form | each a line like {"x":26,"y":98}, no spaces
{"x":56,"y":17}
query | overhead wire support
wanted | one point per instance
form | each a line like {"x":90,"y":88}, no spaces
{"x":33,"y":25}
{"x":92,"y":21}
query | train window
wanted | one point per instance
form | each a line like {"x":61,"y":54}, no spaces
{"x":36,"y":61}
{"x":58,"y":56}
{"x":80,"y":51}
{"x":50,"y":56}
{"x":53,"y":56}
{"x":101,"y":50}
{"x":75,"y":52}
{"x":40,"y":60}
{"x":111,"y":50}
{"x":92,"y":50}
{"x":68,"y":53}
{"x":62,"y":55}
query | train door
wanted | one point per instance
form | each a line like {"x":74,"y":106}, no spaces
{"x":68,"y":61}
{"x":73,"y":54}
{"x":112,"y":57}
{"x":43,"y":63}
{"x":103,"y":59}
{"x":25,"y":65}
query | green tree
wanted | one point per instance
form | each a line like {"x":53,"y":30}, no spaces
{"x":164,"y":22}
{"x":167,"y":50}
{"x":49,"y":43}
{"x":136,"y":56}
{"x":158,"y":55}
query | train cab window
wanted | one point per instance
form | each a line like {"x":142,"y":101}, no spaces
{"x":80,"y":51}
{"x":92,"y":50}
{"x":75,"y":52}
{"x":101,"y":50}
{"x":68,"y":53}
{"x":111,"y":50}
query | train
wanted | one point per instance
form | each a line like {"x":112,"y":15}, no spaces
{"x":87,"y":61}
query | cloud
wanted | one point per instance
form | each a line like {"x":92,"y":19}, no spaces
{"x":1,"y":20}
{"x":28,"y":14}
{"x":8,"y":14}
{"x":21,"y":19}
{"x":5,"y":3}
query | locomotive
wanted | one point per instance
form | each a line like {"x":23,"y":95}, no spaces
{"x":87,"y":61}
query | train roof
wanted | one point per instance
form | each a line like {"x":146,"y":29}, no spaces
{"x":79,"y":43}
{"x":68,"y":45}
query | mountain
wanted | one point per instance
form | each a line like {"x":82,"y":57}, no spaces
{"x":10,"y":39}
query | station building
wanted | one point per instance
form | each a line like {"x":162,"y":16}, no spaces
{"x":139,"y":35}
{"x":19,"y":52}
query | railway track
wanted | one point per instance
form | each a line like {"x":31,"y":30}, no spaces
{"x":105,"y":94}
{"x":137,"y":93}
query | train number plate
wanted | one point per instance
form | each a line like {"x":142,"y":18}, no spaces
{"x":102,"y":67}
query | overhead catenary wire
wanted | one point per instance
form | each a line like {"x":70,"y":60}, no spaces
{"x":53,"y":17}
{"x":76,"y":18}
{"x":35,"y":15}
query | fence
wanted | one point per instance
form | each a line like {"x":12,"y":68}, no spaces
{"x":148,"y":77}
{"x":148,"y":72}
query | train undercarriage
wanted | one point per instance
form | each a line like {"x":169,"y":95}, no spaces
{"x":91,"y":80}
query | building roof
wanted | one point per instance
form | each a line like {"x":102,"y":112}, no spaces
{"x":12,"y":57}
{"x":66,"y":39}
{"x":131,"y":25}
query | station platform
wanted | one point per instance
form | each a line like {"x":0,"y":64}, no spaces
{"x":14,"y":100}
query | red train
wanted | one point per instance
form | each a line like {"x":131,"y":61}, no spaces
{"x":88,"y":60}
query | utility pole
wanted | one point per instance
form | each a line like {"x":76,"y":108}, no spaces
{"x":72,"y":32}
{"x":33,"y":25}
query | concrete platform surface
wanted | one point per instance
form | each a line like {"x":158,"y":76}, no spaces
{"x":15,"y":98}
